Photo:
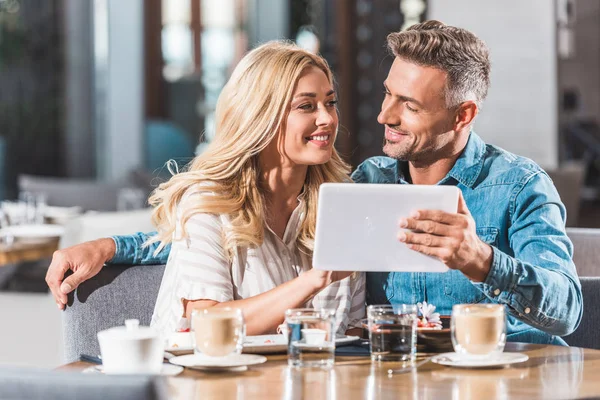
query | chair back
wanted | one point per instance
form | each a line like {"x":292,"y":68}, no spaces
{"x":586,"y":334}
{"x":117,"y":293}
{"x":586,"y":250}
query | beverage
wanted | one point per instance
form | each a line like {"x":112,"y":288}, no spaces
{"x":311,"y":340}
{"x":393,"y":332}
{"x":478,"y":330}
{"x":218,"y":332}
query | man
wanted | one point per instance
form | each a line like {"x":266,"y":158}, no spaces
{"x":506,"y":244}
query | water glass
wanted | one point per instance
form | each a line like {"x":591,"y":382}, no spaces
{"x":393,"y":332}
{"x":478,"y":331}
{"x":311,"y":337}
{"x":218,"y":332}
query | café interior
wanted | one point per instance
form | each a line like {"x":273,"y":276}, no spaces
{"x":103,"y":100}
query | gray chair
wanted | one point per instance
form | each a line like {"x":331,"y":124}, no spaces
{"x":588,"y":333}
{"x":117,"y":293}
{"x":586,"y":250}
{"x":36,"y":384}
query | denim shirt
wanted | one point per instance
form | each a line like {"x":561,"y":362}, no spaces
{"x":517,"y":211}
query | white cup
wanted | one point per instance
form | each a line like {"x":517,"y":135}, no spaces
{"x":314,"y":336}
{"x":131,"y":349}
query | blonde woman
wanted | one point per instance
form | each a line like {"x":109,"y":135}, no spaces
{"x":240,"y":219}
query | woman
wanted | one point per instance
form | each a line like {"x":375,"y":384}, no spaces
{"x":241,"y":218}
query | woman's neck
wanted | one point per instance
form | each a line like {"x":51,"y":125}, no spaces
{"x":283,"y":185}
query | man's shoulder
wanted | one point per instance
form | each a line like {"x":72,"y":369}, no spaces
{"x":378,"y":169}
{"x":504,"y":167}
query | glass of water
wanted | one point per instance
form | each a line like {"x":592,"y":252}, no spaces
{"x":311,"y":337}
{"x":393,"y":332}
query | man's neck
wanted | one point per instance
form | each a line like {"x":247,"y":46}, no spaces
{"x":431,"y":172}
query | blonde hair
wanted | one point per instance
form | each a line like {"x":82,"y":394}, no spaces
{"x":462,"y":55}
{"x":251,"y":110}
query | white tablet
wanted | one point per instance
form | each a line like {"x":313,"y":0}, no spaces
{"x":357,"y":226}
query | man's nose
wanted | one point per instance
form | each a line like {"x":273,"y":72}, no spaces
{"x":388,"y":115}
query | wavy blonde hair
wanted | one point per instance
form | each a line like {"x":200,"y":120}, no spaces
{"x":251,"y":111}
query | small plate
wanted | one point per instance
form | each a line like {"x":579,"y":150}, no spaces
{"x":428,"y":340}
{"x":435,"y":340}
{"x":167,"y":370}
{"x":267,"y":344}
{"x":455,"y":360}
{"x":198,"y":361}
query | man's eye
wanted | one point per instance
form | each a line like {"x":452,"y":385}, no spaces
{"x":410,"y":108}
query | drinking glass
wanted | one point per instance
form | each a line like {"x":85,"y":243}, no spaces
{"x":218,"y":332}
{"x":478,"y":330}
{"x":393,"y":332}
{"x":311,"y":337}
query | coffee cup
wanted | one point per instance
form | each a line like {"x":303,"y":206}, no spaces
{"x":478,"y":330}
{"x":131,"y":349}
{"x":218,"y":332}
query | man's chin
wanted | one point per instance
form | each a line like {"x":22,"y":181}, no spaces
{"x":392,"y":150}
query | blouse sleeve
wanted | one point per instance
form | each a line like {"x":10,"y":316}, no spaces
{"x":200,"y":261}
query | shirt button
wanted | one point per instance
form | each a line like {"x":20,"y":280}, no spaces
{"x":527,"y":310}
{"x":496,"y":292}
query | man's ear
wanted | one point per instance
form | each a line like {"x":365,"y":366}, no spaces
{"x":465,"y":114}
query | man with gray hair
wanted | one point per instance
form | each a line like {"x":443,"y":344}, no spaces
{"x":507,"y":243}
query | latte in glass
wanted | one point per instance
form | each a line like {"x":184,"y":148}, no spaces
{"x":478,"y":330}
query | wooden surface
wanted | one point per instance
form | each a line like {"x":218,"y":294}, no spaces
{"x":20,"y":252}
{"x":552,"y":372}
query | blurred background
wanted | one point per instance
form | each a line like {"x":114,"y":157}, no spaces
{"x":96,"y":95}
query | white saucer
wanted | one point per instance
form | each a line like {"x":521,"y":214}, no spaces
{"x":455,"y":360}
{"x":167,"y":370}
{"x":199,"y":361}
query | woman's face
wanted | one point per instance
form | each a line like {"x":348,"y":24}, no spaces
{"x":311,"y":125}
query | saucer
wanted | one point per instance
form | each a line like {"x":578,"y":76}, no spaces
{"x":166,"y":370}
{"x":455,"y":360}
{"x":199,"y":361}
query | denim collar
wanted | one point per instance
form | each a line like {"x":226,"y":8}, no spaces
{"x":467,"y":167}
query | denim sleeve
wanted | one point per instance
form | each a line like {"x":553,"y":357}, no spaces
{"x":539,"y":283}
{"x":130,"y":250}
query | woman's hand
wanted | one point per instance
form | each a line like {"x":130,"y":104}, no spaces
{"x":322,"y":279}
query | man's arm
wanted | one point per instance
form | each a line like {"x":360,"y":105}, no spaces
{"x":87,"y":259}
{"x":130,"y":249}
{"x":539,"y":283}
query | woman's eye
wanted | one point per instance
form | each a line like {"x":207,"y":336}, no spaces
{"x":305,"y":106}
{"x":333,"y":103}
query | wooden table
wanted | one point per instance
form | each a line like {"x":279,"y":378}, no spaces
{"x":20,"y":252}
{"x":552,"y":372}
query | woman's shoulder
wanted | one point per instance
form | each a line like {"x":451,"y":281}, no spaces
{"x":192,"y":199}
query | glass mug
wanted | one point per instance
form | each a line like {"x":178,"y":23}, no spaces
{"x":478,"y":331}
{"x":218,"y":332}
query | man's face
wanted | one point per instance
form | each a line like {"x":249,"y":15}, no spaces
{"x":418,"y":125}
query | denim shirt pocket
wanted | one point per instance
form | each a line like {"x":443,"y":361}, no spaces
{"x":457,"y":286}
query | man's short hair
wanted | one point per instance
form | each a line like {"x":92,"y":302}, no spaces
{"x":462,"y":55}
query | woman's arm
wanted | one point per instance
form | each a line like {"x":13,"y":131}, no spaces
{"x":265,"y":312}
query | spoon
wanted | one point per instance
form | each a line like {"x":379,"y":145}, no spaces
{"x":409,"y":368}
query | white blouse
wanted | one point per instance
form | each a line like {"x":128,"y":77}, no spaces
{"x":198,"y":268}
